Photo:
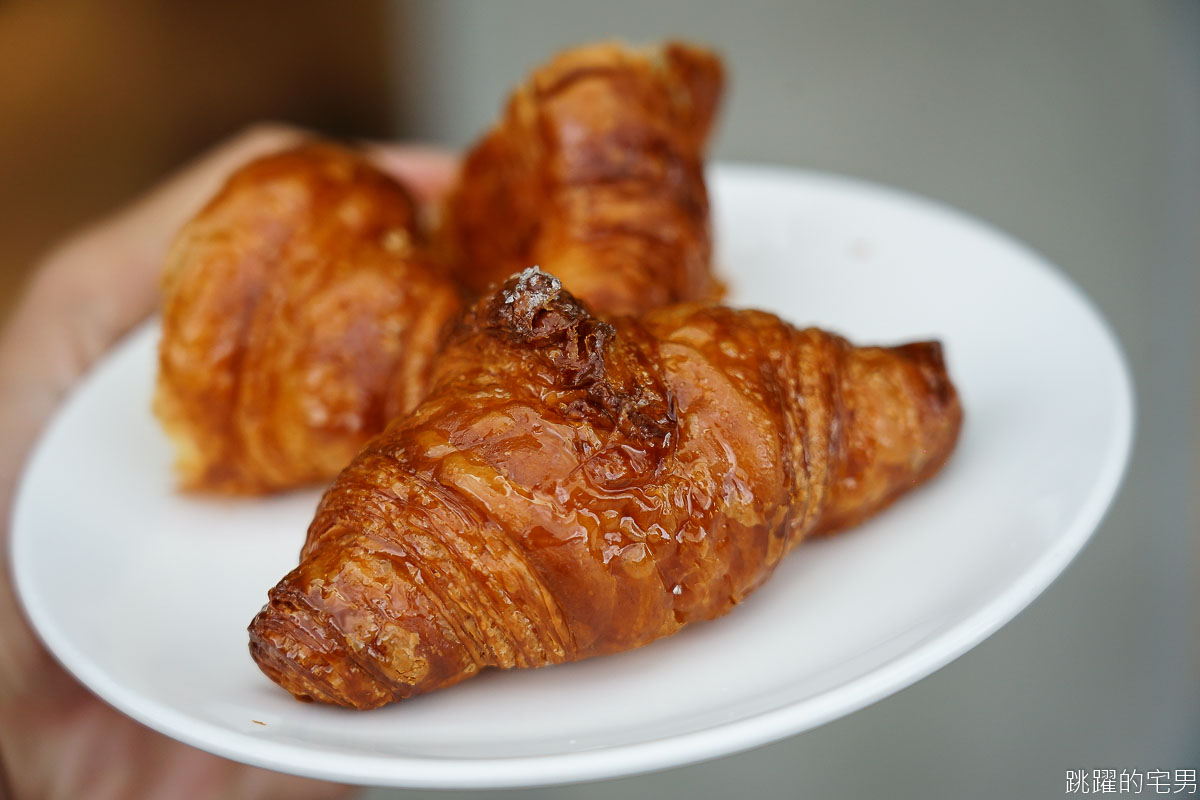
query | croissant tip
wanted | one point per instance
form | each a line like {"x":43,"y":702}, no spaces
{"x":297,"y":650}
{"x":930,"y":359}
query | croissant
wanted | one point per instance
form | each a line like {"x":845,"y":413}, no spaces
{"x":596,"y":167}
{"x":572,"y":487}
{"x":300,"y":316}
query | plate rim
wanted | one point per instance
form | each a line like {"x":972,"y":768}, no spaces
{"x":663,"y":752}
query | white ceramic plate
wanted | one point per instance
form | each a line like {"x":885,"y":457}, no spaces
{"x":145,"y":594}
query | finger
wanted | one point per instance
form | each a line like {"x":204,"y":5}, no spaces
{"x":428,"y":172}
{"x":150,"y":223}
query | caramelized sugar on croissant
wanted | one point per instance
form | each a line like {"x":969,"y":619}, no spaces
{"x":572,"y":487}
{"x":596,"y":169}
{"x":300,"y":316}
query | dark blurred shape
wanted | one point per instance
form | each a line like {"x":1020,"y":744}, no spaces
{"x":99,"y":100}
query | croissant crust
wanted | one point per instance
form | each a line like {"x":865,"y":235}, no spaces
{"x":596,"y":171}
{"x":300,"y":315}
{"x":573,"y":487}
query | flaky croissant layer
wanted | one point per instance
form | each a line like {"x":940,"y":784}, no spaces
{"x":299,"y":317}
{"x":596,"y":168}
{"x":572,"y":487}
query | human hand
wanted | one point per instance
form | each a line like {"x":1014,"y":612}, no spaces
{"x":57,"y":740}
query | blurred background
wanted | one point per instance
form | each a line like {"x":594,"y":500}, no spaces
{"x":1072,"y":124}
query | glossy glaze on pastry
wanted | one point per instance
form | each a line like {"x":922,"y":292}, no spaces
{"x":573,"y":487}
{"x":595,"y":170}
{"x":300,"y":316}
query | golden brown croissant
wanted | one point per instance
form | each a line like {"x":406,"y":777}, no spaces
{"x":299,"y":318}
{"x":596,"y":168}
{"x":572,"y":487}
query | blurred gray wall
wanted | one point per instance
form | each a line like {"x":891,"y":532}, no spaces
{"x":1072,"y":125}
